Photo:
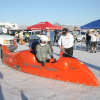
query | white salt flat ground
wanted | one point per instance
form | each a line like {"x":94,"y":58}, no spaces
{"x":16,"y":85}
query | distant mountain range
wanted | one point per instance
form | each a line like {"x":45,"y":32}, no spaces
{"x":21,"y":27}
{"x":71,"y":28}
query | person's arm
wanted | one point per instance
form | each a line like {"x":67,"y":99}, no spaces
{"x":25,"y":34}
{"x":51,"y":34}
{"x":50,"y":52}
{"x":45,"y":33}
{"x":59,"y":41}
{"x":60,"y":45}
{"x":29,"y":34}
{"x":77,"y":34}
{"x":38,"y":53}
{"x":89,"y":34}
{"x":73,"y":34}
{"x":96,"y":34}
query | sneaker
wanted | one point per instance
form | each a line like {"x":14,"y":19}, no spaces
{"x":94,"y":51}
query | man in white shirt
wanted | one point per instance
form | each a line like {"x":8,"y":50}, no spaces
{"x":66,"y":41}
{"x":94,"y":40}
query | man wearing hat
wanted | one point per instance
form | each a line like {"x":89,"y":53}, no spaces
{"x":50,"y":36}
{"x":66,"y":42}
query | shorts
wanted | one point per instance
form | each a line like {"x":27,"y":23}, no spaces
{"x":94,"y":44}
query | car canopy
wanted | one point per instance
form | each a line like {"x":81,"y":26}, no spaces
{"x":42,"y":26}
{"x":92,"y":25}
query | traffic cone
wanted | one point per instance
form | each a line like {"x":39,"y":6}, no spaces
{"x":14,"y":41}
{"x":23,"y":42}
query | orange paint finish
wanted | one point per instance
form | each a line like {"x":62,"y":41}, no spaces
{"x":65,"y":68}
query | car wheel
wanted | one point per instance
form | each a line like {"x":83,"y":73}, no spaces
{"x":1,"y":51}
{"x":12,"y":51}
{"x":83,"y":39}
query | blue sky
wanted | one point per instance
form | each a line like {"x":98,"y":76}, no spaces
{"x":65,"y":12}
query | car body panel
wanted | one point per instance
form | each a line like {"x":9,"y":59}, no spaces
{"x":67,"y":69}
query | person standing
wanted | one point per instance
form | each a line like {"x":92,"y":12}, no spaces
{"x":66,"y":42}
{"x":53,"y":37}
{"x":17,"y":36}
{"x":50,"y":35}
{"x":75,"y":34}
{"x":27,"y":35}
{"x":33,"y":43}
{"x":41,"y":33}
{"x":94,"y":40}
{"x":88,"y":40}
{"x":21,"y":37}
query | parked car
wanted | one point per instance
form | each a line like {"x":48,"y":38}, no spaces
{"x":32,"y":34}
{"x":81,"y":37}
{"x":7,"y":40}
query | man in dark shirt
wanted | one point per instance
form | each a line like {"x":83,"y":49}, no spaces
{"x":88,"y":40}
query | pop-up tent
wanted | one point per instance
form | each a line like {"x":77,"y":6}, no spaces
{"x":92,"y":25}
{"x":42,"y":26}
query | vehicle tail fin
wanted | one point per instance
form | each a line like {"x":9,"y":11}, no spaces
{"x":5,"y":49}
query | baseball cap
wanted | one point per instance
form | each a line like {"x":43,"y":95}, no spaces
{"x":65,"y":30}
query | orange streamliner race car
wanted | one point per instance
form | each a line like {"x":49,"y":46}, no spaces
{"x":66,"y":68}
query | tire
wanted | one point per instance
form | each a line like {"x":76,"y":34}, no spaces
{"x":83,"y":39}
{"x":12,"y":51}
{"x":0,"y":51}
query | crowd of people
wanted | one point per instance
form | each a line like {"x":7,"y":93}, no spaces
{"x":20,"y":37}
{"x":66,"y":41}
{"x":91,"y":38}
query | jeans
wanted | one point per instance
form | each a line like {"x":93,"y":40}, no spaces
{"x":75,"y":42}
{"x":27,"y":39}
{"x":50,"y":43}
{"x":88,"y":44}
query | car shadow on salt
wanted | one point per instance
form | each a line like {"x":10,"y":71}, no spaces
{"x":23,"y":95}
{"x":56,"y":54}
{"x":92,"y":66}
{"x":1,"y":94}
{"x":1,"y":76}
{"x":80,"y":48}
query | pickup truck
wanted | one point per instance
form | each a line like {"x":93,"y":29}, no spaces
{"x":7,"y":40}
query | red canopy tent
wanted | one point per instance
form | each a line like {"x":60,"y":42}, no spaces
{"x":42,"y":26}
